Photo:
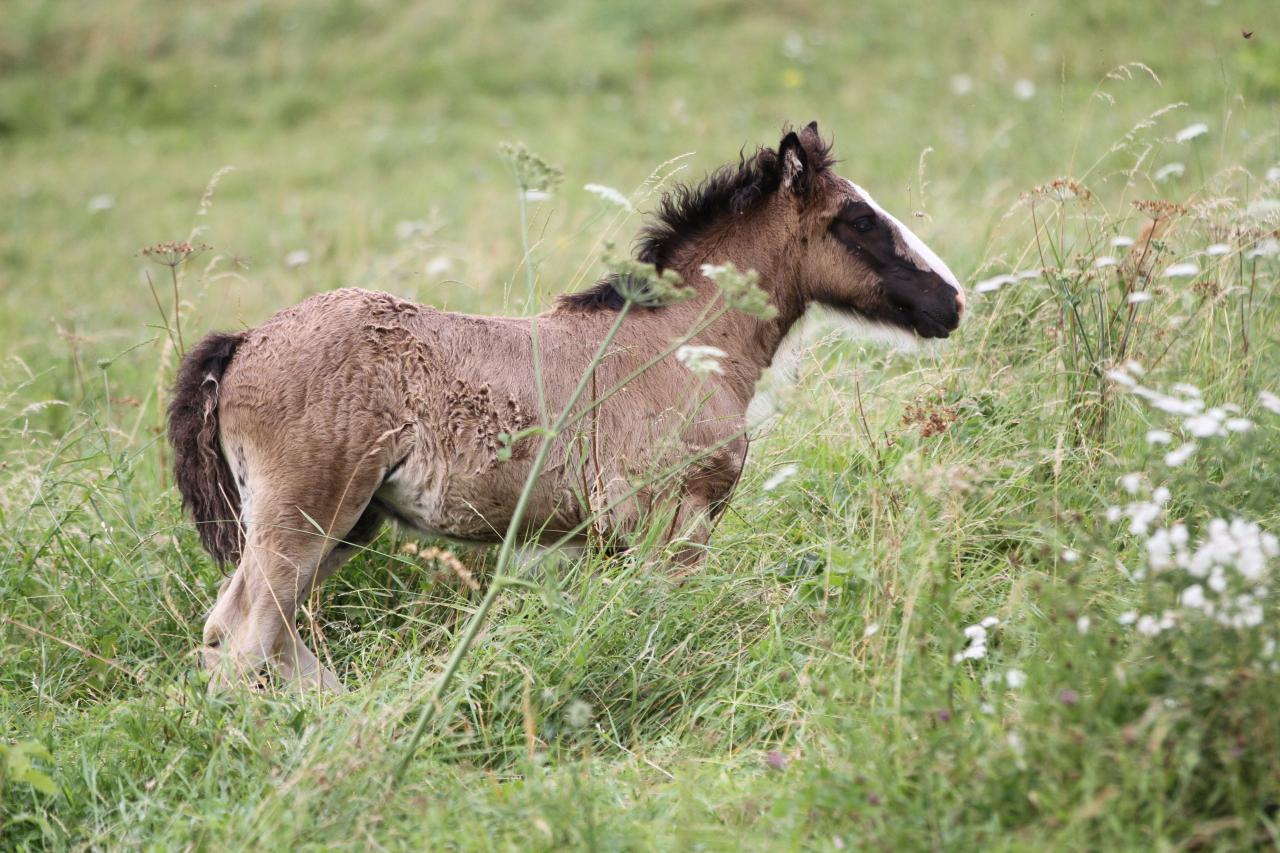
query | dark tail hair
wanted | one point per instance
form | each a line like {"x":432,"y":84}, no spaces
{"x":204,"y":478}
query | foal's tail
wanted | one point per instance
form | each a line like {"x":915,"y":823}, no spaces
{"x":204,"y":478}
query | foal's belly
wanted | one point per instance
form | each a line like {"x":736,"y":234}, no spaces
{"x":467,"y":505}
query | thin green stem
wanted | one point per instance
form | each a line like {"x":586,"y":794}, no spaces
{"x":500,"y":580}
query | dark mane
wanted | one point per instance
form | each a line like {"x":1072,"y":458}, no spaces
{"x":686,"y":212}
{"x":604,"y":295}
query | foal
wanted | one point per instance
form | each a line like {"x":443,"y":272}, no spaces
{"x":294,"y":441}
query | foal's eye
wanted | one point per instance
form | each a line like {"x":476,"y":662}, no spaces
{"x":863,"y":224}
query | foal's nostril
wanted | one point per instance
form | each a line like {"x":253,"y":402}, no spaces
{"x":959,"y":301}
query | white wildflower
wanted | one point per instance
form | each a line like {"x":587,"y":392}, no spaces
{"x":1104,"y":261}
{"x":1082,"y":625}
{"x":1177,"y":458}
{"x":871,"y":630}
{"x":1137,"y":297}
{"x":1238,"y":424}
{"x":1024,"y":89}
{"x":1269,"y":401}
{"x":407,"y":229}
{"x":1070,"y":555}
{"x":1218,"y":249}
{"x":609,"y":194}
{"x":1131,"y":483}
{"x":1263,"y":208}
{"x":1192,"y":131}
{"x":1158,"y":436}
{"x":780,"y":476}
{"x":990,"y":285}
{"x":1015,"y":678}
{"x":99,"y":203}
{"x":1121,"y":242}
{"x":793,"y":45}
{"x":1170,"y":170}
{"x":701,"y":360}
{"x":438,"y":266}
{"x":1267,"y":248}
{"x":536,"y":195}
{"x":977,"y":637}
{"x":1203,"y":426}
{"x":1121,"y":377}
{"x":1186,"y":389}
{"x":1193,"y":598}
{"x":1186,"y":269}
{"x":961,"y":84}
{"x":297,"y":258}
{"x":1148,"y":626}
{"x":1127,"y":618}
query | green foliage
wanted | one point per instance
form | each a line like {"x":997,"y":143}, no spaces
{"x":803,"y":691}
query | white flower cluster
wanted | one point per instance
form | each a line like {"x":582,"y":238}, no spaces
{"x":1187,"y":402}
{"x":1229,"y":569}
{"x":977,"y":637}
{"x":1141,"y":513}
{"x":701,"y":360}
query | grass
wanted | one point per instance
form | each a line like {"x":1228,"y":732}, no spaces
{"x":802,"y":691}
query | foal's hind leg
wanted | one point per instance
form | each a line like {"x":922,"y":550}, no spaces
{"x":253,"y":622}
{"x":296,"y":661}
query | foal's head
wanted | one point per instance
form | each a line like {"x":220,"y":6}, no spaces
{"x":854,"y":255}
{"x":826,"y":237}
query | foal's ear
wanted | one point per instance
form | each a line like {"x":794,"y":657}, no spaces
{"x":795,"y":163}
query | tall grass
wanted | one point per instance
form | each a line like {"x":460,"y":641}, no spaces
{"x":983,"y":594}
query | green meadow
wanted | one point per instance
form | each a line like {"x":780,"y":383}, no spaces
{"x":1013,"y":591}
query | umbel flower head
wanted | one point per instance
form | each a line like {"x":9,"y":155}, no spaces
{"x":641,"y":283}
{"x":531,"y":171}
{"x":173,"y":254}
{"x":742,"y":291}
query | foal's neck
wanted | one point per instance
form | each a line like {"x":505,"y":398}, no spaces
{"x":749,"y":342}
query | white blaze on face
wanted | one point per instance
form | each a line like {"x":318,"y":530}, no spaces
{"x":920,"y":254}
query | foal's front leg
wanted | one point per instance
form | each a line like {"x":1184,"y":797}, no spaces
{"x":690,"y":532}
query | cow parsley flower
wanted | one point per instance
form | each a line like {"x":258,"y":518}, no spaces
{"x":977,"y":637}
{"x":1170,"y":170}
{"x":780,"y":476}
{"x":1186,"y":269}
{"x":609,"y":194}
{"x":1015,"y":678}
{"x":1159,"y":436}
{"x":1192,"y":131}
{"x":990,"y":285}
{"x":701,"y":360}
{"x":1203,"y":426}
{"x":1177,"y":458}
{"x":1269,"y":401}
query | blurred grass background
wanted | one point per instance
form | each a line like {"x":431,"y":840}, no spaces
{"x":345,"y":118}
{"x":800,"y":693}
